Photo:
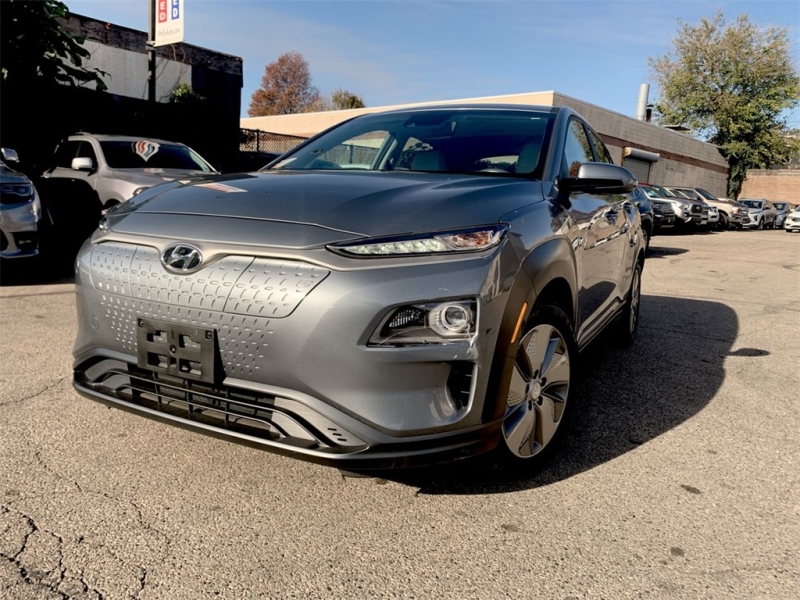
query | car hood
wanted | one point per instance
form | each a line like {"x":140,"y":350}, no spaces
{"x":300,"y":209}
{"x":8,"y":175}
{"x":150,"y":177}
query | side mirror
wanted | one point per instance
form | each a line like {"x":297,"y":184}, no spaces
{"x":600,"y":178}
{"x":82,"y":163}
{"x":10,"y":155}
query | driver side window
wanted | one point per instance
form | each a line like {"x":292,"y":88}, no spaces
{"x":577,"y":149}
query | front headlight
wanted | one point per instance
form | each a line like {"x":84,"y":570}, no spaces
{"x":473,"y":239}
{"x":428,"y":323}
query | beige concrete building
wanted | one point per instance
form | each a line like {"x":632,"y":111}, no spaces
{"x":654,"y":154}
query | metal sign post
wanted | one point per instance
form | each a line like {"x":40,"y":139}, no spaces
{"x":166,"y":27}
{"x":151,"y":51}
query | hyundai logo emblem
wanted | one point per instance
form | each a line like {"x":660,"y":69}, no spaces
{"x":181,"y":258}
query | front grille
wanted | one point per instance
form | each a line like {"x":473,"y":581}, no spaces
{"x":222,"y":407}
{"x":241,"y":285}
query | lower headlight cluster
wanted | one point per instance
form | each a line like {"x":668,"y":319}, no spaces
{"x":428,"y":323}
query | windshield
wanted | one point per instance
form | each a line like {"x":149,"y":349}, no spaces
{"x":752,"y":203}
{"x":687,"y":193}
{"x":490,"y":141}
{"x":664,"y":191}
{"x":145,"y":154}
{"x":651,"y":193}
{"x":780,"y":205}
{"x":705,"y":194}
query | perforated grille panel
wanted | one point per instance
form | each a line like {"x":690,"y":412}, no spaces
{"x":235,"y":284}
{"x":241,"y":297}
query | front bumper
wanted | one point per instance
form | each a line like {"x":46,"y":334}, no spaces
{"x":305,"y":378}
{"x":19,"y":235}
{"x":663,"y":221}
{"x":792,"y":224}
{"x":752,"y":219}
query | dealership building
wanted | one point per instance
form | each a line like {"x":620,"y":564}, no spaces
{"x":654,"y":154}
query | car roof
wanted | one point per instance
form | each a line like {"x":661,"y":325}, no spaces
{"x":487,"y":107}
{"x":107,"y":137}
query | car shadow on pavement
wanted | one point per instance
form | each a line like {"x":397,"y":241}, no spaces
{"x":662,"y":251}
{"x":626,"y":398}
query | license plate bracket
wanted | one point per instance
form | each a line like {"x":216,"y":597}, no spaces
{"x":184,"y":351}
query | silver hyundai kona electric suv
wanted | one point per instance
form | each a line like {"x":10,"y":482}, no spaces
{"x":407,"y":287}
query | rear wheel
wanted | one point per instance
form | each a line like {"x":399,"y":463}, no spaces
{"x":540,"y":392}
{"x":629,"y":320}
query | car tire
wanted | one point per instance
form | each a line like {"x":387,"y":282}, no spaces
{"x":540,"y":393}
{"x":760,"y":225}
{"x":628,"y":323}
{"x":646,"y":235}
{"x":724,"y":222}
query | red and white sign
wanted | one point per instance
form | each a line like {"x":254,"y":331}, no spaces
{"x":169,"y":22}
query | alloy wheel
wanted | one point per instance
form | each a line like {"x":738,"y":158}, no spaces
{"x":636,"y":286}
{"x":538,"y":392}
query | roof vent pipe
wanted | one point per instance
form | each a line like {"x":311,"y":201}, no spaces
{"x":641,"y":105}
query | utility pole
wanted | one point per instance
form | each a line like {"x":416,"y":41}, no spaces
{"x":151,"y":52}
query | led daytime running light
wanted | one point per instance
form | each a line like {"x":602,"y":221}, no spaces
{"x":458,"y":241}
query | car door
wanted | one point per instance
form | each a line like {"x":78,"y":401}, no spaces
{"x":601,"y":222}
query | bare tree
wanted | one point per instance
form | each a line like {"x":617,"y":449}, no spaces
{"x":286,"y":88}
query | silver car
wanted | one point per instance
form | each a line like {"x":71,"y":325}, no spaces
{"x":761,"y":213}
{"x":407,"y":287}
{"x":117,"y":167}
{"x":20,"y":211}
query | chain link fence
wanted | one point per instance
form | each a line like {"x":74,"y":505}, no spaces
{"x":255,"y":140}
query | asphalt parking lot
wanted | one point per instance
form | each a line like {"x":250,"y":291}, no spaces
{"x":678,"y":478}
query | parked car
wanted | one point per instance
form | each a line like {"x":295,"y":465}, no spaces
{"x":730,"y":213}
{"x":792,"y":222}
{"x":20,"y":210}
{"x":663,"y":213}
{"x":646,"y":214}
{"x":687,"y":212}
{"x":782,"y":209}
{"x":761,"y":213}
{"x":695,"y":213}
{"x":119,"y":167}
{"x":424,"y":308}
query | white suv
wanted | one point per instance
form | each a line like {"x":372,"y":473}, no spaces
{"x":761,"y":213}
{"x":119,"y":167}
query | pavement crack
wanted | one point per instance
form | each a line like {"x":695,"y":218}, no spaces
{"x":142,"y":581}
{"x":15,"y":558}
{"x":38,"y":456}
{"x":35,"y":394}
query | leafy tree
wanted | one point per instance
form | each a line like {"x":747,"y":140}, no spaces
{"x":344,"y":99}
{"x":733,"y":85}
{"x":36,"y":49}
{"x":286,"y":88}
{"x":184,"y":95}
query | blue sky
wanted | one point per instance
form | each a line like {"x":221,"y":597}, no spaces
{"x":393,"y":51}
